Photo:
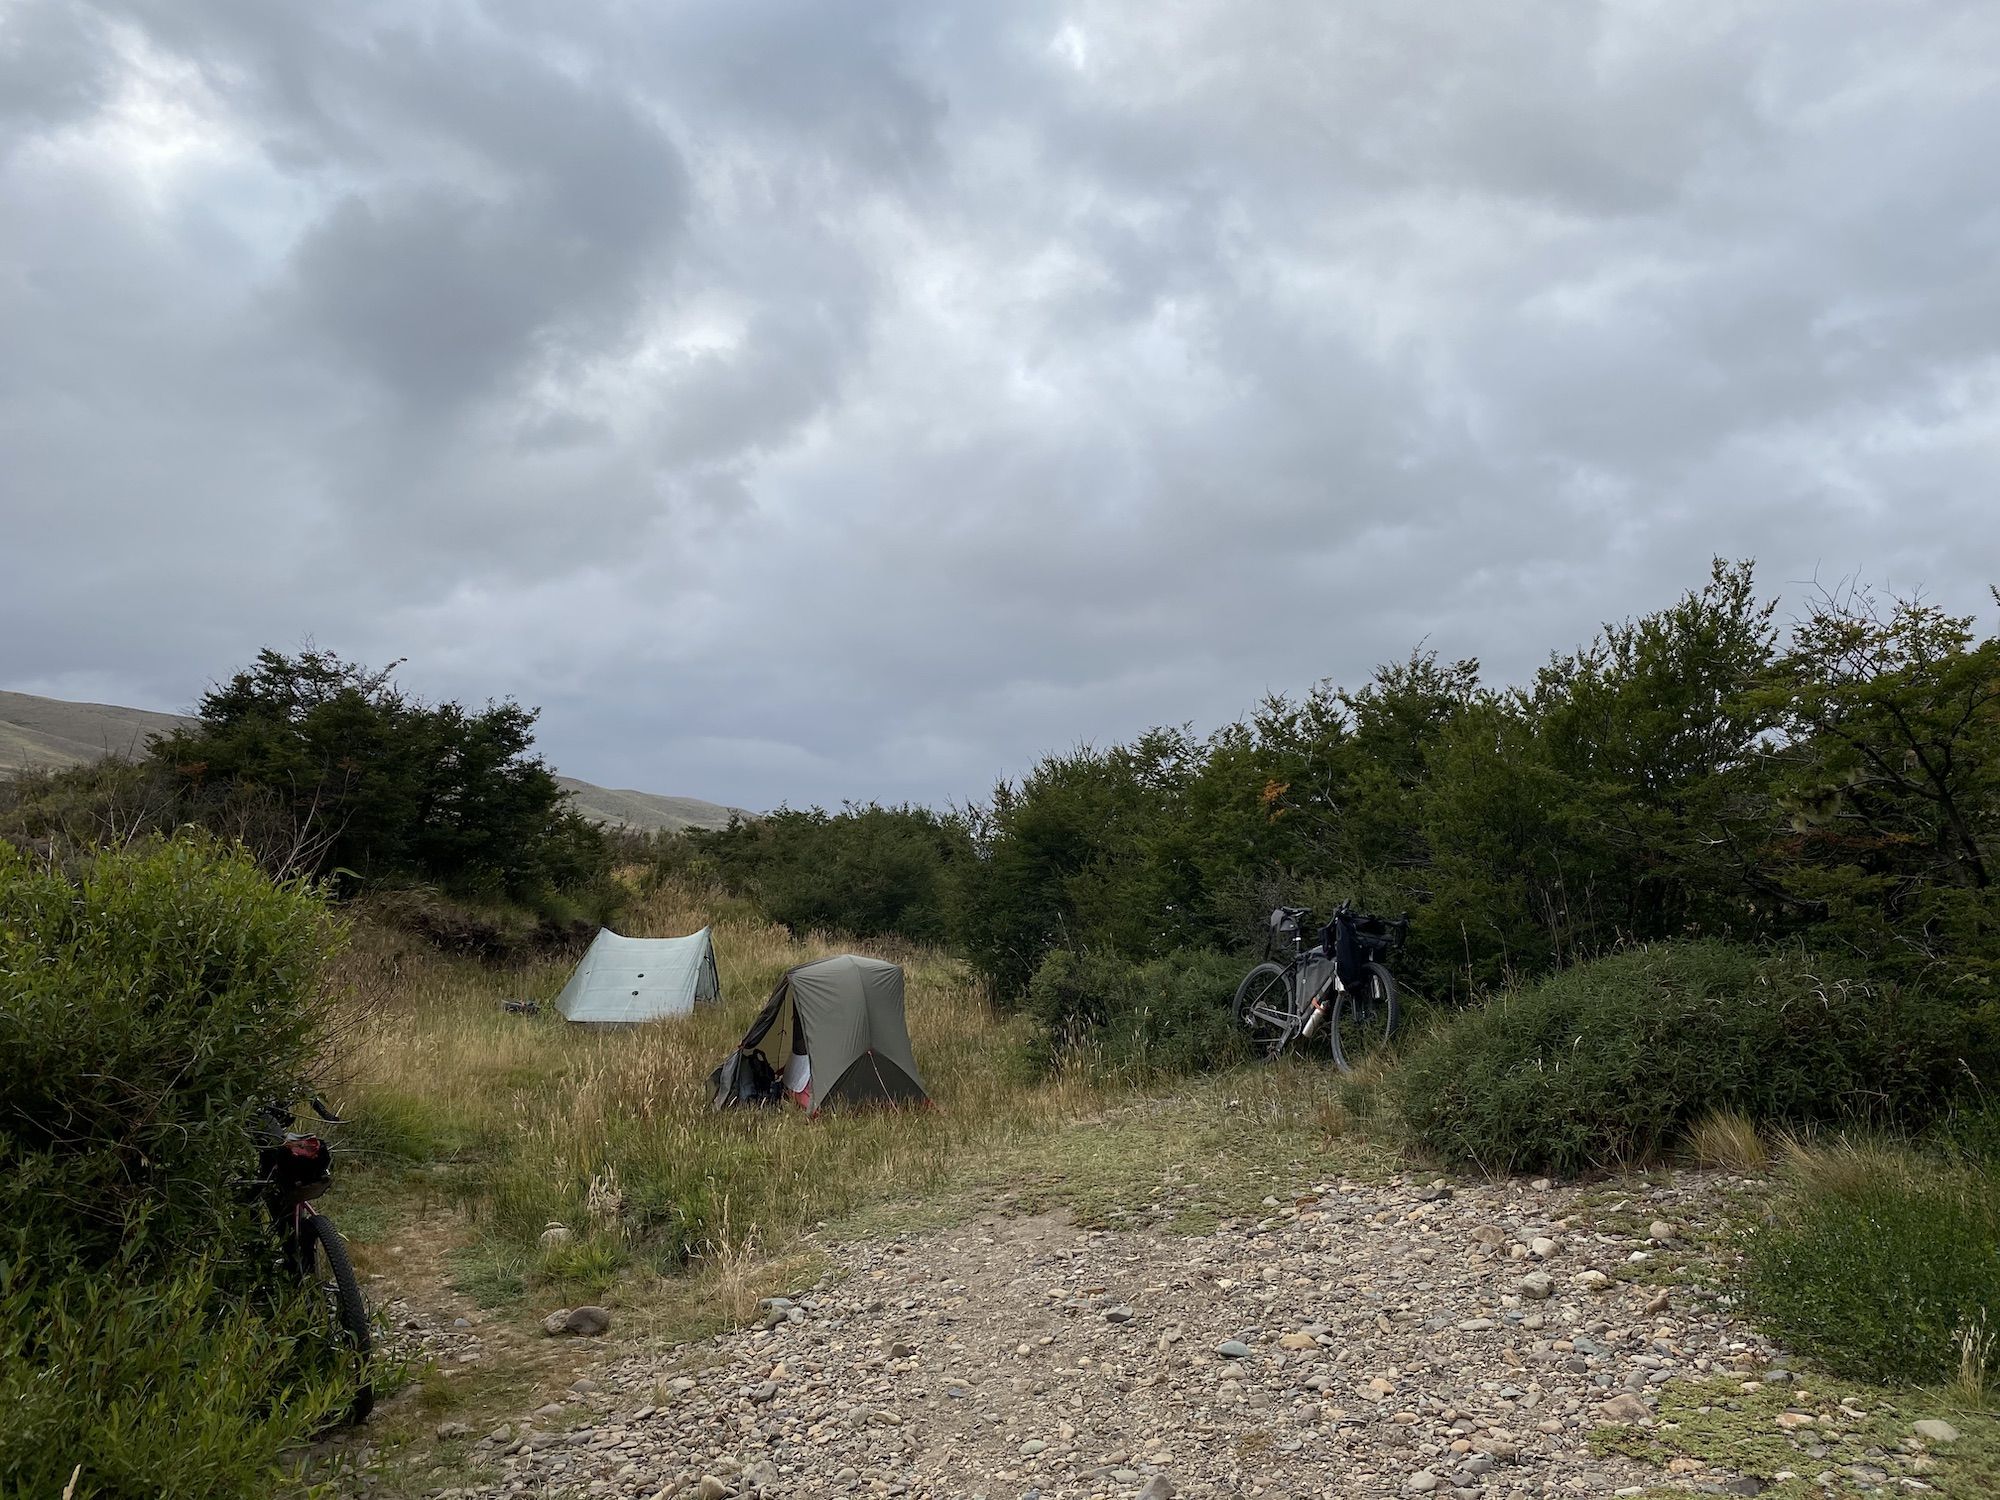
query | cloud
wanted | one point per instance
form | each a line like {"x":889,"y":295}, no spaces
{"x":811,"y":400}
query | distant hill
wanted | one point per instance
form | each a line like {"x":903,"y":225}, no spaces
{"x":49,"y":732}
{"x":648,"y":812}
{"x":53,"y":733}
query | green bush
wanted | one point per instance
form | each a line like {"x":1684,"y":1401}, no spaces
{"x":148,"y":1001}
{"x":1608,"y":1063}
{"x":867,"y":870}
{"x":155,"y":1387}
{"x":1137,"y":1020}
{"x":1880,"y":1264}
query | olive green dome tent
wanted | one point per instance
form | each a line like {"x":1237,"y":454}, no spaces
{"x":839,"y":1038}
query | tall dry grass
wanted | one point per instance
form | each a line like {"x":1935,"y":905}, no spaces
{"x":527,"y":1121}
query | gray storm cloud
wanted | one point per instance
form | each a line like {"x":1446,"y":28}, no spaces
{"x":814,"y":400}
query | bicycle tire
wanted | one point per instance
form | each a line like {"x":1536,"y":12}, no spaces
{"x":1250,"y":1011}
{"x":349,"y":1310}
{"x":1363,"y":1026}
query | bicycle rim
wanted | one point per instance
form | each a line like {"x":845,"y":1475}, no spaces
{"x":1264,"y":1009}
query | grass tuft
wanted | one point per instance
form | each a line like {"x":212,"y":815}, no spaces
{"x":1727,"y":1140}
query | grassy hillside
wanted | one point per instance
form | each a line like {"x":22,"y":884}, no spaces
{"x":649,"y":812}
{"x":52,"y":733}
{"x":49,"y":732}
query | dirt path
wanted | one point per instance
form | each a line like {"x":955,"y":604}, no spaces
{"x":1364,"y":1340}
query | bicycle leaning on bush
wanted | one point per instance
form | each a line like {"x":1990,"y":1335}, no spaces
{"x":1341,"y":985}
{"x":293,"y":1168}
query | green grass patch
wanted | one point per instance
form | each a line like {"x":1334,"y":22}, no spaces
{"x":1884,"y":1264}
{"x":1181,"y":1162}
{"x":1804,"y":1431}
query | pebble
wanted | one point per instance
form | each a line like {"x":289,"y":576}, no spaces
{"x":1932,"y":1430}
{"x":1625,"y":1407}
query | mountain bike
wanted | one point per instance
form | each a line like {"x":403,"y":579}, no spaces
{"x":1342,"y":984}
{"x":293,"y":1168}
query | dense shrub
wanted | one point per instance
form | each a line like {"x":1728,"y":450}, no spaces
{"x":148,"y":1001}
{"x":154,"y":1387}
{"x":868,"y":870}
{"x":1881,"y":1264}
{"x":147,"y":1004}
{"x":1611,"y":1061}
{"x":1146,"y":1020}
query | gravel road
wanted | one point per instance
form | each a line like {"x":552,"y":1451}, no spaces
{"x":1364,"y":1339}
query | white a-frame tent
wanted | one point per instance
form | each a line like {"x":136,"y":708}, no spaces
{"x":622,"y":980}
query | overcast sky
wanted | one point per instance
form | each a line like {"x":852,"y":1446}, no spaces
{"x":809,"y":400}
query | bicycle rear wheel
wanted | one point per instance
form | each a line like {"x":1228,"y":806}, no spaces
{"x":1363,"y":1021}
{"x":1263,"y":1007}
{"x":329,"y":1268}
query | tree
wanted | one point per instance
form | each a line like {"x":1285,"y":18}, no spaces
{"x":1889,"y":797}
{"x":393,"y":787}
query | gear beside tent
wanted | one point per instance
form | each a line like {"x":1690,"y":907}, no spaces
{"x":840,"y":1038}
{"x":624,"y":980}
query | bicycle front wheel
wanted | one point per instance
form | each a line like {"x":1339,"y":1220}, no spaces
{"x":1263,"y":1008}
{"x":1363,"y":1020}
{"x":330,"y":1269}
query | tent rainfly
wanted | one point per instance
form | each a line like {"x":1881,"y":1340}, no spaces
{"x":622,"y":980}
{"x":840,"y":1039}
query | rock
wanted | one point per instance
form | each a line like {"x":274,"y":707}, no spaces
{"x":902,"y":1350}
{"x":1422,"y":1483}
{"x":501,"y":1434}
{"x":1541,"y":1247}
{"x":1657,"y":1303}
{"x":1118,"y":1314}
{"x":1033,"y":1446}
{"x":1661,"y":1232}
{"x":452,"y":1430}
{"x":764,"y":1392}
{"x":1625,"y":1407}
{"x":1541,"y":1184}
{"x":711,"y":1488}
{"x":587,"y":1322}
{"x":1537,"y":1285}
{"x":1437,"y":1192}
{"x":1491,"y":1235}
{"x":1931,"y":1430}
{"x":1297,"y":1341}
{"x":1233,"y":1349}
{"x":1159,"y":1487}
{"x":1592,"y":1281}
{"x":556,"y":1234}
{"x":556,"y":1322}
